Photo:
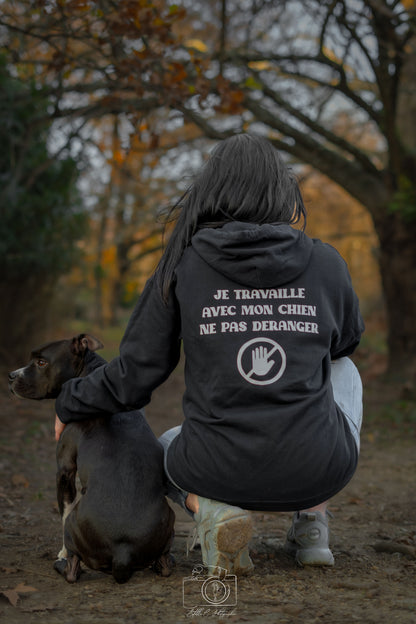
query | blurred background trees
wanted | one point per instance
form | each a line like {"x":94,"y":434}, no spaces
{"x":41,"y":213}
{"x":137,"y":91}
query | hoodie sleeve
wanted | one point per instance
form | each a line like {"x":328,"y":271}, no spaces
{"x":149,"y":352}
{"x":347,"y":343}
{"x":350,"y":324}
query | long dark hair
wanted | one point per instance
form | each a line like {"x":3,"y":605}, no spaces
{"x":245,"y":179}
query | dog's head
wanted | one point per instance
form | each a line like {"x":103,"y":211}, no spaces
{"x":50,"y":366}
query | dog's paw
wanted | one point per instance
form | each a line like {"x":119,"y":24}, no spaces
{"x":60,"y":565}
{"x":164,"y":565}
{"x":69,"y":568}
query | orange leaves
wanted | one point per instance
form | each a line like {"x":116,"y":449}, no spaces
{"x":131,"y":56}
{"x":119,"y":156}
{"x":409,"y":5}
{"x":72,"y":35}
{"x":177,"y":72}
{"x":135,"y":19}
{"x":196,"y":44}
{"x":231,"y":98}
{"x":232,"y":102}
{"x":350,"y":230}
{"x":108,"y":257}
{"x":76,"y":5}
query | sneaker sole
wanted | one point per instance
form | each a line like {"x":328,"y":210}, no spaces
{"x":226,"y":545}
{"x":234,"y":533}
{"x":314,"y":557}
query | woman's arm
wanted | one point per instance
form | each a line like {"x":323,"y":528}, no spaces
{"x":350,"y":324}
{"x":149,"y":352}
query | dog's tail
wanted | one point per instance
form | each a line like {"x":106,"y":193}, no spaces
{"x":122,"y":567}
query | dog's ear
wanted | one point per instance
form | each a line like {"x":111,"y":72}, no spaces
{"x":82,"y":342}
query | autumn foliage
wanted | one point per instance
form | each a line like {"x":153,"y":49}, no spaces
{"x":330,"y":84}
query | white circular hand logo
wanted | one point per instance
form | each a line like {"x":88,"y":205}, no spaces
{"x":254,"y":361}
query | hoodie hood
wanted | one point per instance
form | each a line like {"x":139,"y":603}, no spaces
{"x":254,"y":255}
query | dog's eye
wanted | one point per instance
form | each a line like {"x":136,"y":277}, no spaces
{"x":41,"y":363}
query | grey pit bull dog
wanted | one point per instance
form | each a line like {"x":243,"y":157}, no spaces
{"x":110,"y":478}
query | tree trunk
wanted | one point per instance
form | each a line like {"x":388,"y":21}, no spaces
{"x":98,"y":269}
{"x":122,"y":264}
{"x":398,"y":272}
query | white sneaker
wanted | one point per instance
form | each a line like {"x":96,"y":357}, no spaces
{"x":224,"y":532}
{"x":308,"y":539}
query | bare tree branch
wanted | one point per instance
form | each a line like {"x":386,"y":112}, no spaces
{"x":246,"y":58}
{"x":319,"y":129}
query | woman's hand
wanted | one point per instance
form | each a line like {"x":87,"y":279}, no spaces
{"x":59,"y":427}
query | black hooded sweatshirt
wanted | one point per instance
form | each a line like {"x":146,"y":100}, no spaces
{"x":261,"y":311}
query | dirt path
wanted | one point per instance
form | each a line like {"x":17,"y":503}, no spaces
{"x":373,"y":540}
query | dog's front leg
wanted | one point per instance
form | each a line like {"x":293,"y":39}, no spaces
{"x":66,"y":489}
{"x":67,"y":499}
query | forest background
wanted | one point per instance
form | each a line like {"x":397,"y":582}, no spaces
{"x":108,"y":108}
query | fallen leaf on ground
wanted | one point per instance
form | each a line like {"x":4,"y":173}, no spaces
{"x":9,"y":570}
{"x":19,"y":479}
{"x":13,"y":595}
